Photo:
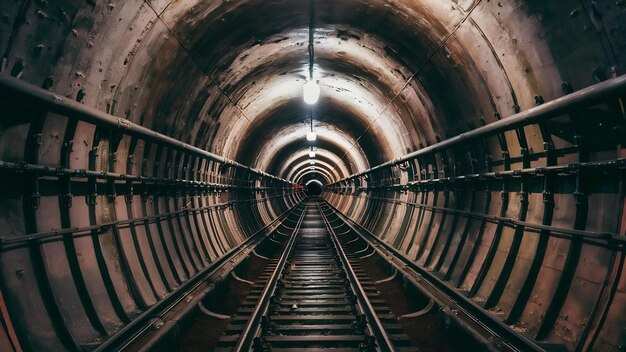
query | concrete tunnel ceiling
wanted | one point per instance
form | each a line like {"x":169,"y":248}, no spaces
{"x":388,"y":83}
{"x":395,"y":76}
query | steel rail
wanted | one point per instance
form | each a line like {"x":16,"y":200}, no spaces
{"x":571,"y":168}
{"x":133,"y":330}
{"x":585,"y":97}
{"x":55,"y":171}
{"x":610,"y":237}
{"x":374,"y":325}
{"x":462,"y":304}
{"x":74,"y":110}
{"x":22,"y":240}
{"x":253,"y":325}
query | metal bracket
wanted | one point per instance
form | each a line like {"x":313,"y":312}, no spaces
{"x":368,"y":345}
{"x":35,"y":195}
{"x":93,"y":194}
{"x":360,"y":324}
{"x":112,"y":193}
{"x":548,"y":197}
{"x":129,"y":194}
{"x":266,"y":325}
{"x":259,"y":345}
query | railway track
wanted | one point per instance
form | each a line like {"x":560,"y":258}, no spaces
{"x":313,"y":297}
{"x":315,"y":281}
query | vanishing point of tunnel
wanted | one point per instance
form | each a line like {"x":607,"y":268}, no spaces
{"x":312,"y":175}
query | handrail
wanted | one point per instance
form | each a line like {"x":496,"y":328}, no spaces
{"x":71,"y":109}
{"x":26,"y":239}
{"x":591,"y":236}
{"x":467,"y":306}
{"x":252,"y":326}
{"x":585,"y":97}
{"x":46,"y":170}
{"x":127,"y":335}
{"x":374,"y":324}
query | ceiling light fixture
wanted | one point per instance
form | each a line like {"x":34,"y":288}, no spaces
{"x":312,"y":162}
{"x":311,"y":154}
{"x":311,"y":92}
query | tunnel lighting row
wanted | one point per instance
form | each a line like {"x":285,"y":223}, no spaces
{"x":311,"y":95}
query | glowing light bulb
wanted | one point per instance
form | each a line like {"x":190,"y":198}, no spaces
{"x":311,"y":136}
{"x":311,"y":154}
{"x":312,"y":162}
{"x":311,"y":92}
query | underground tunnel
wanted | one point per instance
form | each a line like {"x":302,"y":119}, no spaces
{"x":342,"y":175}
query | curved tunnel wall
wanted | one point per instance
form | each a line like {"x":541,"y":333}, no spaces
{"x":94,"y":246}
{"x":226,"y":77}
{"x":537,"y":242}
